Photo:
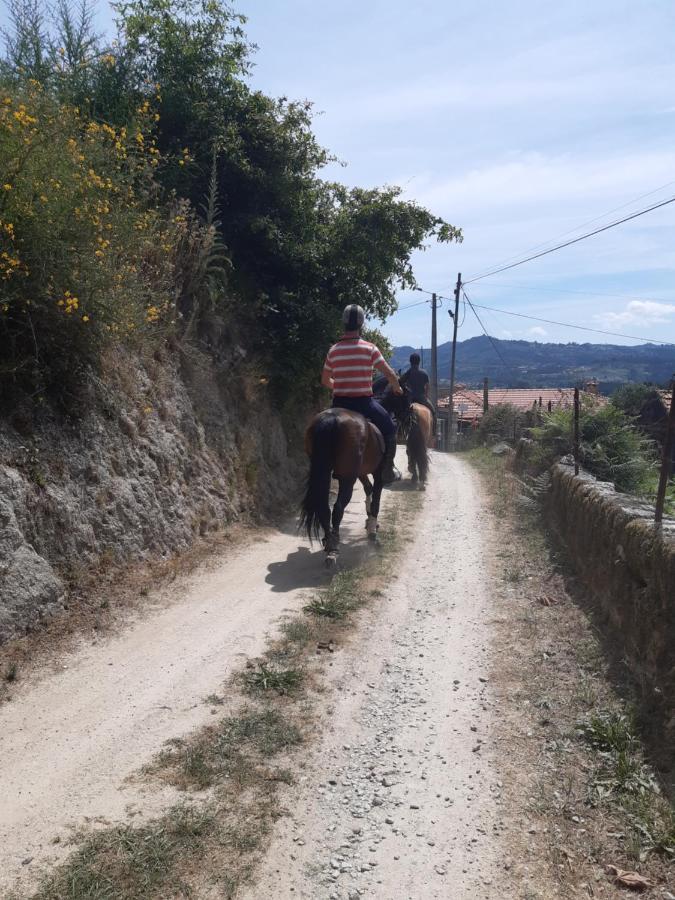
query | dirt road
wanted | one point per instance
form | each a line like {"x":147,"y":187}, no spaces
{"x":70,"y":740}
{"x":399,"y":798}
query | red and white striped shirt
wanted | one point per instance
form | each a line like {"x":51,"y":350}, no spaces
{"x":350,"y":364}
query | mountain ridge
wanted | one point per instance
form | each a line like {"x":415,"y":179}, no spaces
{"x":533,"y":364}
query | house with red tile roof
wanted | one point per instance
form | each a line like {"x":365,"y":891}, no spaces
{"x":468,"y":402}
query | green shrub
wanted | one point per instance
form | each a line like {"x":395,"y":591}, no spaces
{"x":610,"y":446}
{"x":630,"y":398}
{"x":85,"y":253}
{"x":502,"y":419}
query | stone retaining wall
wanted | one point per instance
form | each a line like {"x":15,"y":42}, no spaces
{"x":162,"y":452}
{"x":629,"y":568}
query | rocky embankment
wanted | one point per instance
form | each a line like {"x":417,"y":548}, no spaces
{"x":159,"y":452}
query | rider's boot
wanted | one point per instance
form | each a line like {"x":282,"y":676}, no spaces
{"x":389,"y":472}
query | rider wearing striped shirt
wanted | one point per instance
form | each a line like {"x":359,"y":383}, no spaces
{"x":348,"y":372}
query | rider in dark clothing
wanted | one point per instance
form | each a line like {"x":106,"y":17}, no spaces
{"x":417,"y":382}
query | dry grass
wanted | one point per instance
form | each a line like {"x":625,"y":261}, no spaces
{"x":579,"y":788}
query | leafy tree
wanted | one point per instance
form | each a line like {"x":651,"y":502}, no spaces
{"x":381,"y":341}
{"x":295,"y":248}
{"x":630,"y":398}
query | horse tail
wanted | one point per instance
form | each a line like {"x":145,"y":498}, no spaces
{"x":324,"y":441}
{"x":417,"y":446}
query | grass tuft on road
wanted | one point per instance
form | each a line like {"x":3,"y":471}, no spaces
{"x":234,"y":749}
{"x":131,"y":863}
{"x":272,"y":678}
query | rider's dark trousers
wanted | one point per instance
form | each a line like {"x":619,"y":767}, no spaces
{"x":371,"y":409}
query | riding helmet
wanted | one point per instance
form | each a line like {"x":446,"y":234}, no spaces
{"x":353,"y":317}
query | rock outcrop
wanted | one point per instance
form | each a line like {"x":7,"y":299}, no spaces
{"x":158,"y":455}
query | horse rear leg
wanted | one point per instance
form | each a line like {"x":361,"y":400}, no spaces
{"x":368,"y":489}
{"x":424,"y":468}
{"x":346,"y":488}
{"x":412,"y":465}
{"x":372,"y":525}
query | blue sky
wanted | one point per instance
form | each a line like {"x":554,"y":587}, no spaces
{"x":517,"y":121}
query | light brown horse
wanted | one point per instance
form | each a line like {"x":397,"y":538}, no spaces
{"x":345,"y":444}
{"x":420,"y":435}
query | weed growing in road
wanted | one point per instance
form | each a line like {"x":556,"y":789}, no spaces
{"x":127,"y":863}
{"x":233,"y":749}
{"x":270,"y":678}
{"x":214,"y":700}
{"x":12,"y":673}
{"x":297,"y":632}
{"x":341,"y":597}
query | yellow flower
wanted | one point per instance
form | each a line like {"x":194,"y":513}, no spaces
{"x":7,"y":187}
{"x":85,"y":318}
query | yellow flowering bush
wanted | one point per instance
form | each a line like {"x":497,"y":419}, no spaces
{"x":86,"y":251}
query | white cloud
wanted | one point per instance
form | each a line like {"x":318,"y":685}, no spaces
{"x":640,"y":312}
{"x":538,"y":331}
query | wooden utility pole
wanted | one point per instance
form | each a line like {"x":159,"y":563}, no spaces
{"x":486,"y":395}
{"x":452,"y":433}
{"x":434,"y":353}
{"x":668,"y":442}
{"x":576,"y":430}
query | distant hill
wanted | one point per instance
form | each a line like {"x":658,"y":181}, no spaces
{"x":531,"y":364}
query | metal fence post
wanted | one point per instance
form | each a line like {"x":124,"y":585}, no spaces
{"x":667,"y":458}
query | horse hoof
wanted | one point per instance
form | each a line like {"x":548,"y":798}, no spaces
{"x":331,"y":561}
{"x":372,"y":536}
{"x":422,"y":487}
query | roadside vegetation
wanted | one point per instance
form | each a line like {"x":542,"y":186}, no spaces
{"x":596,"y":817}
{"x":151,"y":196}
{"x":613,"y":443}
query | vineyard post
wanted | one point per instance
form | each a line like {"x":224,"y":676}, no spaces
{"x":576,"y":430}
{"x":667,"y":457}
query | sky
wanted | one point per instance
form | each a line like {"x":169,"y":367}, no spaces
{"x":523,"y":123}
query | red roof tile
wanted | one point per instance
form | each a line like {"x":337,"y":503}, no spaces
{"x":469,"y":403}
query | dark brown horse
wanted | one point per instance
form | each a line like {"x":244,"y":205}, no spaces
{"x":348,"y":446}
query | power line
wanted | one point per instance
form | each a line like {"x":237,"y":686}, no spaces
{"x":410,"y":305}
{"x":588,"y":222}
{"x":632,"y":337}
{"x":507,"y":312}
{"x":485,"y":332}
{"x":494,"y":346}
{"x":583,"y":237}
{"x":549,"y":290}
